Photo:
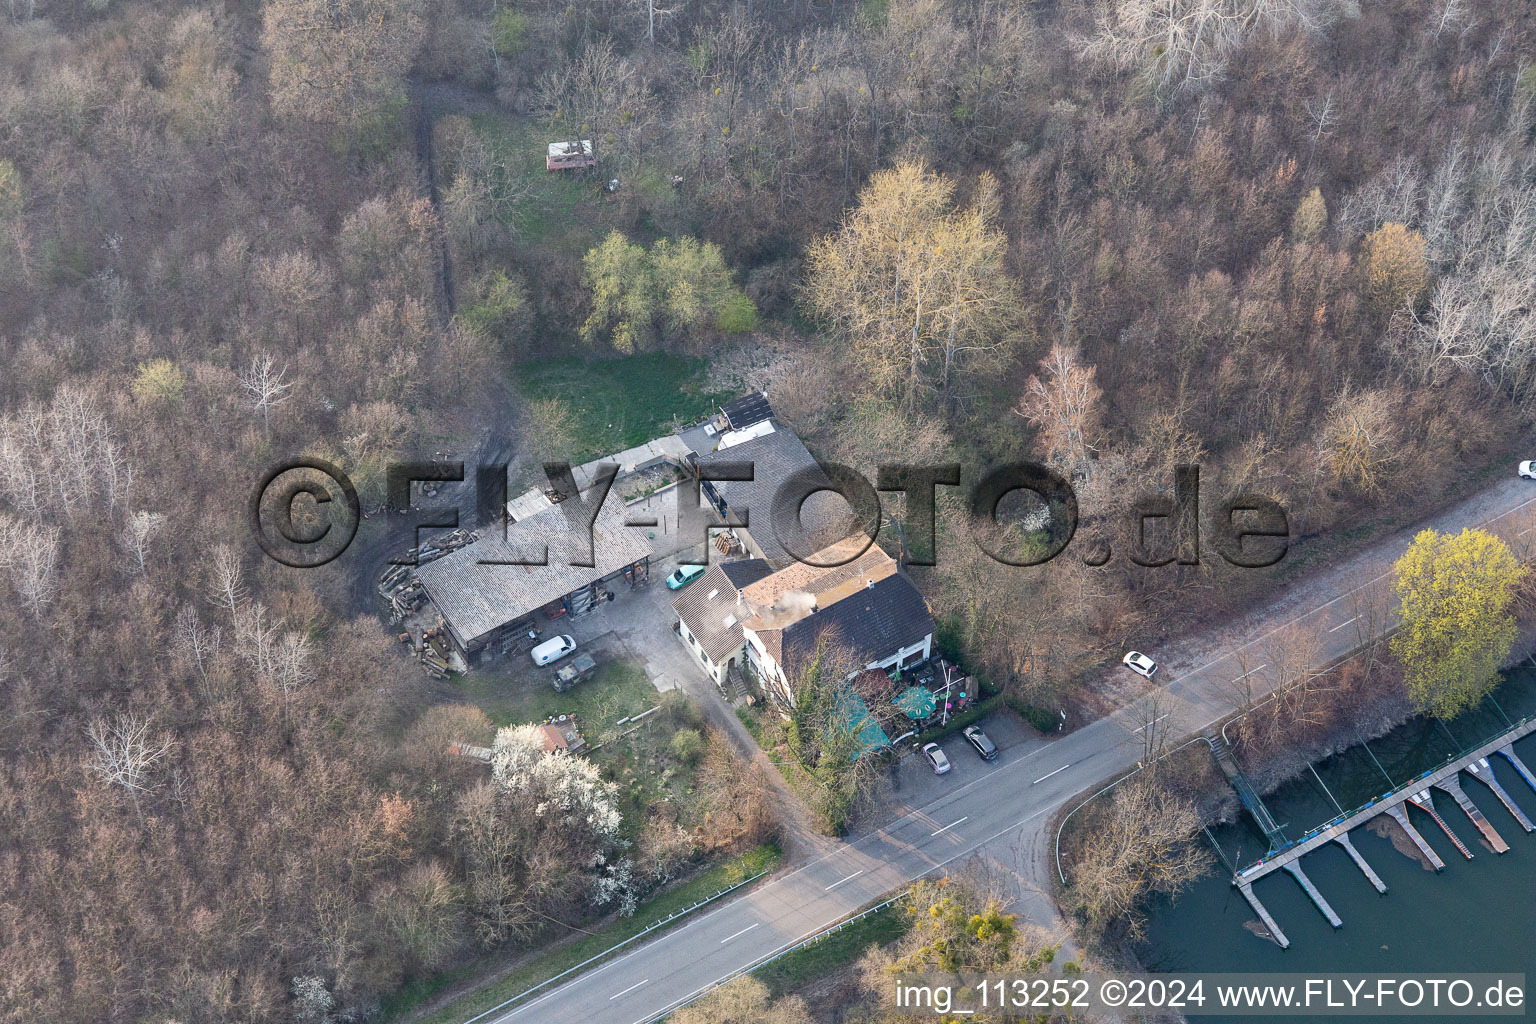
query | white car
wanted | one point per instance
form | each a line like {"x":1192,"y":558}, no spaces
{"x":1139,"y":663}
{"x":1528,"y":470}
{"x":553,"y":650}
{"x":934,"y":754}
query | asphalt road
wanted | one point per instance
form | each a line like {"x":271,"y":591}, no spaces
{"x":1005,"y":812}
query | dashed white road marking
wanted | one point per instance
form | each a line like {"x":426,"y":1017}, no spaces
{"x":739,"y":934}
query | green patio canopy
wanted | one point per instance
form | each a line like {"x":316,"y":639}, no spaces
{"x":917,"y":702}
{"x":866,"y":730}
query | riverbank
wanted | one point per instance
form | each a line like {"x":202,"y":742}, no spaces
{"x":1473,"y":914}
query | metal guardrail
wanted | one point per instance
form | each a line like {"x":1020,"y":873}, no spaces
{"x":809,"y":940}
{"x":614,"y":948}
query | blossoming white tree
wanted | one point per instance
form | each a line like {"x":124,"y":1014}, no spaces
{"x":541,"y":838}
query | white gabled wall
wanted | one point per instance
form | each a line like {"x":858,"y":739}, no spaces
{"x":716,"y":672}
{"x":769,"y":669}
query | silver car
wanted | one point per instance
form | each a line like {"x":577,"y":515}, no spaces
{"x":934,"y":755}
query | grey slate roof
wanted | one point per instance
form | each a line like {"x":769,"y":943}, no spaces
{"x":477,"y":598}
{"x":774,"y":458}
{"x":747,"y":410}
{"x":870,"y":625}
{"x":715,"y":598}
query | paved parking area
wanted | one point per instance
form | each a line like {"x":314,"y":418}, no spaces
{"x":916,"y":785}
{"x":637,"y":624}
{"x":665,"y":537}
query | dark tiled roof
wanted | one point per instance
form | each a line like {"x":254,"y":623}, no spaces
{"x":747,"y":410}
{"x":713,"y":600}
{"x":745,"y":571}
{"x":870,"y":625}
{"x":774,"y":458}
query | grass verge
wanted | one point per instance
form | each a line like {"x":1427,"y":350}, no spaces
{"x":553,"y":961}
{"x":804,"y":966}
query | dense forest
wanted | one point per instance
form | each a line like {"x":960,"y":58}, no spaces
{"x":1293,"y":241}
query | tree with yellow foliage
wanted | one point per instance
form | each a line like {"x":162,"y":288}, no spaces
{"x":915,"y":286}
{"x":159,"y":381}
{"x":10,"y":191}
{"x":1310,"y":218}
{"x":1396,"y":274}
{"x":1455,"y":594}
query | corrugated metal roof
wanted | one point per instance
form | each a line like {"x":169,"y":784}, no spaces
{"x":476,"y":596}
{"x":825,"y":516}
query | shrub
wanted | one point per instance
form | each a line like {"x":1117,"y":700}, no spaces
{"x":509,"y":33}
{"x":687,"y":745}
{"x":159,"y":381}
{"x":737,"y":315}
{"x":502,"y":310}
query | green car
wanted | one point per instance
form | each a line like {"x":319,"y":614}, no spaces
{"x":684,"y":575}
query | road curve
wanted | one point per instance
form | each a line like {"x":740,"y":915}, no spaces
{"x":1004,"y":813}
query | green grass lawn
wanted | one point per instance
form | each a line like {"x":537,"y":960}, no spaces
{"x":562,"y":210}
{"x":550,"y":963}
{"x":620,"y":403}
{"x":616,"y":690}
{"x":568,"y":211}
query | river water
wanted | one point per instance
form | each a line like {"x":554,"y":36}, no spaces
{"x":1476,"y":915}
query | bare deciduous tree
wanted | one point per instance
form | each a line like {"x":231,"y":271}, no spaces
{"x":195,"y":642}
{"x":1322,"y":117}
{"x":290,"y":665}
{"x":226,"y":583}
{"x":123,"y":754}
{"x":1149,"y":719}
{"x":1064,"y":407}
{"x":654,"y":10}
{"x":1188,"y":42}
{"x":1138,"y":843}
{"x":264,"y":385}
{"x":61,"y":457}
{"x":135,"y":536}
{"x":1362,"y":439}
{"x":29,"y":555}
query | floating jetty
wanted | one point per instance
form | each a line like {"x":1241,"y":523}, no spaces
{"x":1482,"y":771}
{"x":1446,"y":778}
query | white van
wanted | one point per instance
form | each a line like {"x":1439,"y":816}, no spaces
{"x":553,"y":650}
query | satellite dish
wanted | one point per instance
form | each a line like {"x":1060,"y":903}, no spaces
{"x":562,"y":718}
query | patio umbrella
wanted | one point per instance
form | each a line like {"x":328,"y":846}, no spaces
{"x":917,"y":702}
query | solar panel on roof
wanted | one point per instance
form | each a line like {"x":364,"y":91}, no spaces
{"x":747,"y":410}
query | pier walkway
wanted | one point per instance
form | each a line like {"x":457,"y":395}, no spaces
{"x":1445,"y":778}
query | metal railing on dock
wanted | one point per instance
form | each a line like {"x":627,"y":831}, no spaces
{"x":1286,"y":855}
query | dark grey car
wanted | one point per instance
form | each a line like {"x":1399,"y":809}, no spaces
{"x":981,"y":743}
